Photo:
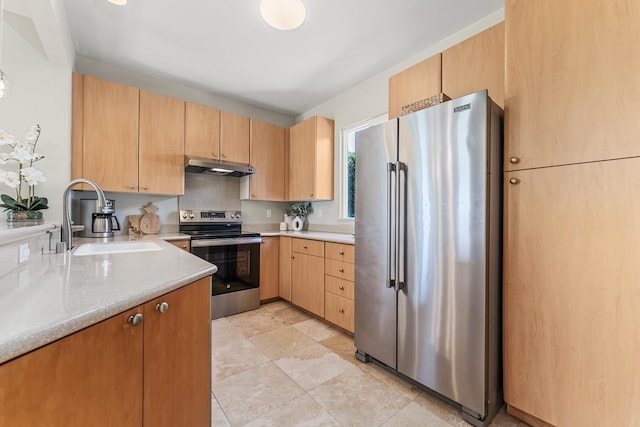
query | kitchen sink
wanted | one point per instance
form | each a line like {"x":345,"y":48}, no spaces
{"x":114,"y":248}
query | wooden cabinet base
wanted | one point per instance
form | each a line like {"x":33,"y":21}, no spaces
{"x":529,"y":419}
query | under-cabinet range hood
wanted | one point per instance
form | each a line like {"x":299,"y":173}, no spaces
{"x":216,"y":167}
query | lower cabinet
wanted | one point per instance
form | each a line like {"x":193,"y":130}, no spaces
{"x":182,"y":244}
{"x":307,"y":282}
{"x":269,"y":260}
{"x":119,"y":372}
{"x":284,"y":272}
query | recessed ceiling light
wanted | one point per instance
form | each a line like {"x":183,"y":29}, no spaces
{"x":118,"y":2}
{"x":283,"y":14}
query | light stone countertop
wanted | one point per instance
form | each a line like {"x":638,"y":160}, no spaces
{"x":54,"y":295}
{"x":12,"y":232}
{"x":348,"y":239}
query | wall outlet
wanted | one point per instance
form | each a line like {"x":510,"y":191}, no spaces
{"x":23,"y":253}
{"x":268,"y":213}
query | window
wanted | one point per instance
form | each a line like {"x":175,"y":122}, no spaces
{"x":348,"y":137}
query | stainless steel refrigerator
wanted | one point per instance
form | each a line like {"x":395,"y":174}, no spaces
{"x":428,"y":250}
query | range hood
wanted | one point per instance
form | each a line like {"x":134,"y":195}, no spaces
{"x":216,"y":167}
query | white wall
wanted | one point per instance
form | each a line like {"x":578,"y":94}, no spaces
{"x":41,"y":94}
{"x":370,"y":99}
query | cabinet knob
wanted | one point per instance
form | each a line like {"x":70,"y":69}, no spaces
{"x":224,"y":155}
{"x":162,"y":307}
{"x":311,"y":195}
{"x":144,"y":187}
{"x":514,"y":160}
{"x":341,"y":270}
{"x":293,"y":257}
{"x":262,"y":241}
{"x":341,"y":253}
{"x":254,"y":195}
{"x":131,"y":187}
{"x":514,"y":181}
{"x":341,"y":288}
{"x":184,"y":247}
{"x":341,"y":310}
{"x":216,"y":155}
{"x":135,"y":319}
{"x":304,"y":247}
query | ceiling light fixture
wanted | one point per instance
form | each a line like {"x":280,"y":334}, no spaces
{"x":283,"y":14}
{"x":118,"y":2}
{"x":5,"y":81}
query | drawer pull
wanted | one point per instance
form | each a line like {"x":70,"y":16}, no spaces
{"x":514,"y":160}
{"x":341,"y":270}
{"x":341,"y":310}
{"x":514,"y":181}
{"x":135,"y":320}
{"x":341,"y":253}
{"x":304,"y":247}
{"x":341,"y":288}
{"x":162,"y":307}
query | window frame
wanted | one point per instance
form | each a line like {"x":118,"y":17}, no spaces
{"x":345,"y":133}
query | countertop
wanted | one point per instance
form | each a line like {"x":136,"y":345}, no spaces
{"x":55,"y":295}
{"x":314,"y":235}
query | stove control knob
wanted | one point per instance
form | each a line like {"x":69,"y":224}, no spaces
{"x":184,"y":216}
{"x":238,"y":215}
{"x":191,"y":215}
{"x":233,"y":216}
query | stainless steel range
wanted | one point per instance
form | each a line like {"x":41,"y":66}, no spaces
{"x":217,"y":237}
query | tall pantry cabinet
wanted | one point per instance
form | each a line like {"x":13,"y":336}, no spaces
{"x":572,"y":212}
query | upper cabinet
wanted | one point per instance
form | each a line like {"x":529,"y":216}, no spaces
{"x":234,"y":137}
{"x":311,"y":160}
{"x":161,"y":144}
{"x":268,"y":158}
{"x":422,"y":80}
{"x":201,"y":131}
{"x":215,"y":134}
{"x":565,"y":103}
{"x":125,"y":139}
{"x":475,"y":64}
{"x":105,"y":133}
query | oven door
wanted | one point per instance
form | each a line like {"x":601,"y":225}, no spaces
{"x":238,"y":262}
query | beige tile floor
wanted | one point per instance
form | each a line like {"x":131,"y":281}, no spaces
{"x":277,"y":366}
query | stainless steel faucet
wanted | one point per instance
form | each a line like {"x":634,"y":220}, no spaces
{"x":66,"y":234}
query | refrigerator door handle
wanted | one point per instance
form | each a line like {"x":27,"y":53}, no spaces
{"x":400,"y":233}
{"x":391,"y":233}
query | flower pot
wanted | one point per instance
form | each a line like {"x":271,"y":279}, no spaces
{"x":297,"y":223}
{"x":15,"y":216}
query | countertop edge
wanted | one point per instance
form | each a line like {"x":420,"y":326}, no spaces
{"x":23,"y":344}
{"x":12,"y":235}
{"x":345,"y":238}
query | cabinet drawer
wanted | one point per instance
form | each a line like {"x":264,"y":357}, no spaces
{"x":306,"y":246}
{"x":339,"y":311}
{"x":342,"y":270}
{"x":341,"y":287}
{"x":339,"y":252}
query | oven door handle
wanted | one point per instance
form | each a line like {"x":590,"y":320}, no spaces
{"x":202,"y":243}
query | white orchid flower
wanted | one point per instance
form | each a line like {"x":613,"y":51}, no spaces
{"x":22,"y":153}
{"x":33,"y":133}
{"x":6,"y":138}
{"x":9,"y":178}
{"x":32,"y":176}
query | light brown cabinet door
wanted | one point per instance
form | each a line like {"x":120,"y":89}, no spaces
{"x":475,"y":64}
{"x":269,"y":261}
{"x":161,"y":144}
{"x":572,"y":82}
{"x":571,"y":296}
{"x":177,"y":357}
{"x":90,"y":378}
{"x":234,"y":137}
{"x":302,"y":161}
{"x":311,"y":159}
{"x":339,"y":311}
{"x":109,"y":135}
{"x":267,"y":156}
{"x":284,"y":272}
{"x":201,"y":131}
{"x":182,"y":244}
{"x":420,"y":81}
{"x":307,"y":282}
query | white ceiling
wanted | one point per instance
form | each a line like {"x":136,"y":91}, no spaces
{"x":224,"y":46}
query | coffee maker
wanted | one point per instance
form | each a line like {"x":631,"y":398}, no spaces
{"x":98,"y":221}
